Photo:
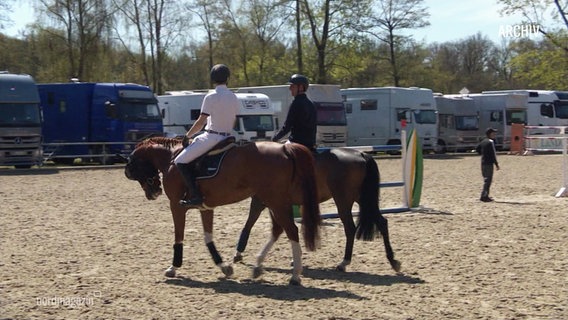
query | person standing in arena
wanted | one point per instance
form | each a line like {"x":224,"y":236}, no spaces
{"x":218,"y":114}
{"x":486,"y":149}
{"x":301,"y":118}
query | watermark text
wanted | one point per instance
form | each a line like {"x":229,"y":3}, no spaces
{"x":68,"y":301}
{"x":519,"y":30}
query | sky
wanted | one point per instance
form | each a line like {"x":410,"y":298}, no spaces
{"x":450,"y":21}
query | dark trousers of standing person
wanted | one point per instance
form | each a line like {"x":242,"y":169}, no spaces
{"x":487,"y":173}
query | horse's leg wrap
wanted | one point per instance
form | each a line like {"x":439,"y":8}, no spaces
{"x":178,"y":255}
{"x":243,"y":239}
{"x":262,"y":254}
{"x":297,"y":258}
{"x":214,"y":253}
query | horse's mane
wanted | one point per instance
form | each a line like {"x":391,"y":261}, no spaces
{"x":169,"y":143}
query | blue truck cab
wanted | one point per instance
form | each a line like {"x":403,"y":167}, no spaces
{"x":96,"y":121}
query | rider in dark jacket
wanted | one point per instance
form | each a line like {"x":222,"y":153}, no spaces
{"x":301,"y":118}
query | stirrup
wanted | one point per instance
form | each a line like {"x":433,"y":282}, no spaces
{"x":192,"y":203}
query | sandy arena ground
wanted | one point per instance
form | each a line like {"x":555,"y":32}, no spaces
{"x":86,"y":244}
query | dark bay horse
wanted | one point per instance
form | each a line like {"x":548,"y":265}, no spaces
{"x":347,"y":176}
{"x":278,"y":175}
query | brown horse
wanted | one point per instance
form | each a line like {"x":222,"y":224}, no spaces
{"x":347,"y":176}
{"x":278,"y":175}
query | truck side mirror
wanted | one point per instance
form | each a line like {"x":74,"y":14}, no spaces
{"x":163,"y":113}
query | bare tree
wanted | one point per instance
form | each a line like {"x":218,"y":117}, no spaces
{"x":206,"y":11}
{"x":390,"y":17}
{"x":266,"y":18}
{"x":330,"y":22}
{"x":5,"y":10}
{"x":84,"y":23}
{"x":158,"y":23}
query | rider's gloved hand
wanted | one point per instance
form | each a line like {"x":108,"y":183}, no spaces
{"x":185,"y":141}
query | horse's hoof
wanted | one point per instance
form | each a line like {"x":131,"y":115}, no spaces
{"x":257,"y":272}
{"x":227,"y":270}
{"x":238,"y":257}
{"x":396,"y":265}
{"x":170,"y":272}
{"x":294,"y":281}
{"x":340,"y":268}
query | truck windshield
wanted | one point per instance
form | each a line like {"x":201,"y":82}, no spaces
{"x":19,"y":114}
{"x":258,"y":123}
{"x":331,"y":114}
{"x":139,"y":111}
{"x":425,"y":116}
{"x":467,"y":122}
{"x":561,"y":109}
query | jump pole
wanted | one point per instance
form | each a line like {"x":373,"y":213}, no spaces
{"x":563,"y":192}
{"x":411,"y":173}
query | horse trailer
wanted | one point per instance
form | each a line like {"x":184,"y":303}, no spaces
{"x":500,"y":111}
{"x":458,"y":123}
{"x":96,"y":121}
{"x":331,"y":121}
{"x":376,"y":116}
{"x":255,"y":119}
{"x":544,"y":108}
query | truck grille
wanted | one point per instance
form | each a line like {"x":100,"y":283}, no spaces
{"x":333,"y":137}
{"x":20,"y":150}
{"x":19,"y":142}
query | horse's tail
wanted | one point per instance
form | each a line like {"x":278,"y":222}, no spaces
{"x":369,"y":200}
{"x":370,"y":217}
{"x":304,"y":170}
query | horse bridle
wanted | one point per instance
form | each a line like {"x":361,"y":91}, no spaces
{"x":141,"y":170}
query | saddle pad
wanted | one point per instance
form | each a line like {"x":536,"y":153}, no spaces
{"x":208,"y":166}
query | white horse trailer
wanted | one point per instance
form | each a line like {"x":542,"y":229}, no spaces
{"x":500,"y":111}
{"x":331,"y":122}
{"x":458,"y":123}
{"x":255,"y":119}
{"x":544,"y":108}
{"x":375,"y":116}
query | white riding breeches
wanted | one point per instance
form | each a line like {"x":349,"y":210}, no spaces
{"x":200,"y":144}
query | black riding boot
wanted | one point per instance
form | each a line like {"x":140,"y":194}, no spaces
{"x":187,"y":172}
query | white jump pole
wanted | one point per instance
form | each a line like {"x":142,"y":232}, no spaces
{"x":563,"y":191}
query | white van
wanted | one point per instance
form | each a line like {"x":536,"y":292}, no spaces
{"x":331,"y":122}
{"x":255,"y":119}
{"x":375,"y":115}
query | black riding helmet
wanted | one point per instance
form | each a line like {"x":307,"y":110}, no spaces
{"x":220,"y":73}
{"x":299,"y":79}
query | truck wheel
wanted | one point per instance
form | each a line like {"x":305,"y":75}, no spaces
{"x":441,"y":148}
{"x":64,"y":161}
